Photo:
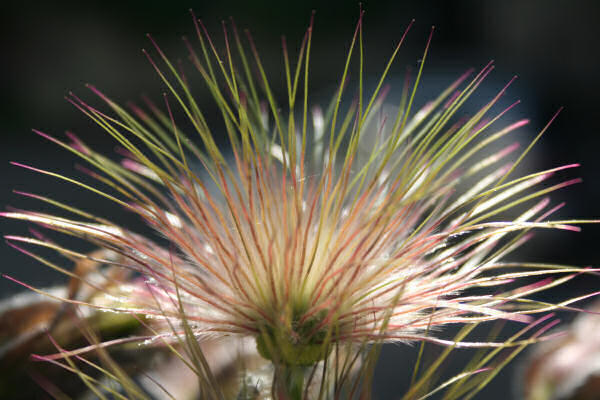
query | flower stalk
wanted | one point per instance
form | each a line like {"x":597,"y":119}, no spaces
{"x":291,"y":380}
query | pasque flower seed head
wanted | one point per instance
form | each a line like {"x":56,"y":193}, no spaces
{"x":315,"y":229}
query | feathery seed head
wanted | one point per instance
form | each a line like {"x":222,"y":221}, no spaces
{"x":318,"y":228}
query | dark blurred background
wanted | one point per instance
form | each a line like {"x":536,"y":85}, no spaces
{"x":50,"y":48}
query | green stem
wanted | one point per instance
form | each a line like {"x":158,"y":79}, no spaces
{"x":292,"y":381}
